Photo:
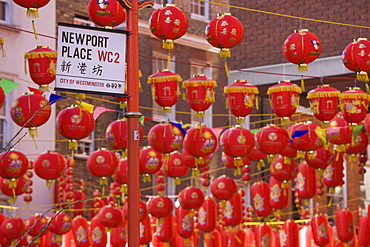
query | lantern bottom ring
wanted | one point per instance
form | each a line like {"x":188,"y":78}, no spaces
{"x":133,"y":114}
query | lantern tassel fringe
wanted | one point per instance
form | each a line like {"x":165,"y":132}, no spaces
{"x":2,"y":50}
{"x":34,"y":30}
{"x":32,"y":13}
{"x":302,"y":84}
{"x":362,"y":76}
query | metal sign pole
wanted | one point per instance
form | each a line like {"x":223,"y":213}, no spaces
{"x":133,"y":116}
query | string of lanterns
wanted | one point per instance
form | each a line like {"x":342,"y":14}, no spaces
{"x":220,"y":222}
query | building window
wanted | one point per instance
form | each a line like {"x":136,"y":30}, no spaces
{"x":4,"y":11}
{"x":199,"y":10}
{"x":160,"y":3}
{"x":85,"y":147}
{"x":83,"y":21}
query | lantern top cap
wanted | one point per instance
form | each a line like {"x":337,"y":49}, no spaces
{"x":42,"y":46}
{"x":28,"y":93}
{"x":198,"y":75}
{"x":283,"y":81}
{"x":359,"y":39}
{"x":169,"y":5}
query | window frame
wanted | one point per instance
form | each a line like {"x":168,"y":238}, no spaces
{"x":6,"y":12}
{"x":199,"y":16}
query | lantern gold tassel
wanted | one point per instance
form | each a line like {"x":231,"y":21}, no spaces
{"x":177,"y":181}
{"x":256,"y":102}
{"x":168,"y":67}
{"x":362,"y":76}
{"x":226,"y":69}
{"x":34,"y":29}
{"x":146,"y":178}
{"x":2,"y":47}
{"x":302,"y":84}
{"x":33,"y":132}
{"x":168,"y":44}
{"x":72,"y":144}
{"x":32,"y":13}
{"x":302,"y":67}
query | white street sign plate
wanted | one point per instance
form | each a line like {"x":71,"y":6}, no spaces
{"x":91,"y":60}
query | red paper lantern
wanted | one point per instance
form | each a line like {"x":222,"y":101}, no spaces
{"x":165,"y":88}
{"x":264,"y":235}
{"x":165,"y":229}
{"x":224,"y":31}
{"x":344,"y":225}
{"x":199,"y":93}
{"x":290,"y":234}
{"x":213,"y":239}
{"x":102,"y":163}
{"x":96,"y":203}
{"x":75,"y":123}
{"x":320,"y":231}
{"x":12,"y":228}
{"x":116,"y":134}
{"x":284,"y":98}
{"x":191,"y":161}
{"x":307,"y":137}
{"x":363,"y":231}
{"x":160,"y":206}
{"x":282,"y":170}
{"x":333,"y":174}
{"x":49,"y":166}
{"x":279,"y":193}
{"x":359,"y":145}
{"x":339,"y":133}
{"x":348,"y":58}
{"x":32,"y":6}
{"x":175,"y":167}
{"x":232,"y":211}
{"x":361,"y":49}
{"x":106,"y":14}
{"x":110,"y":216}
{"x":81,"y":233}
{"x":150,"y":161}
{"x":13,"y":164}
{"x":260,"y":192}
{"x":98,"y":233}
{"x":240,"y":98}
{"x":35,"y":224}
{"x":191,"y":198}
{"x":143,"y":211}
{"x":2,"y":97}
{"x":231,"y":162}
{"x":305,"y":181}
{"x":60,"y":224}
{"x":354,"y":103}
{"x":320,"y":158}
{"x":200,"y":141}
{"x":145,"y":231}
{"x":14,"y":187}
{"x":237,"y":142}
{"x":237,"y":237}
{"x":25,"y":111}
{"x":185,"y":222}
{"x":165,"y":137}
{"x":207,"y":215}
{"x":42,"y":66}
{"x":168,"y":23}
{"x":302,"y":47}
{"x":271,"y":139}
{"x":223,"y":188}
{"x":2,"y":238}
{"x":324,"y":102}
{"x":121,"y":173}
